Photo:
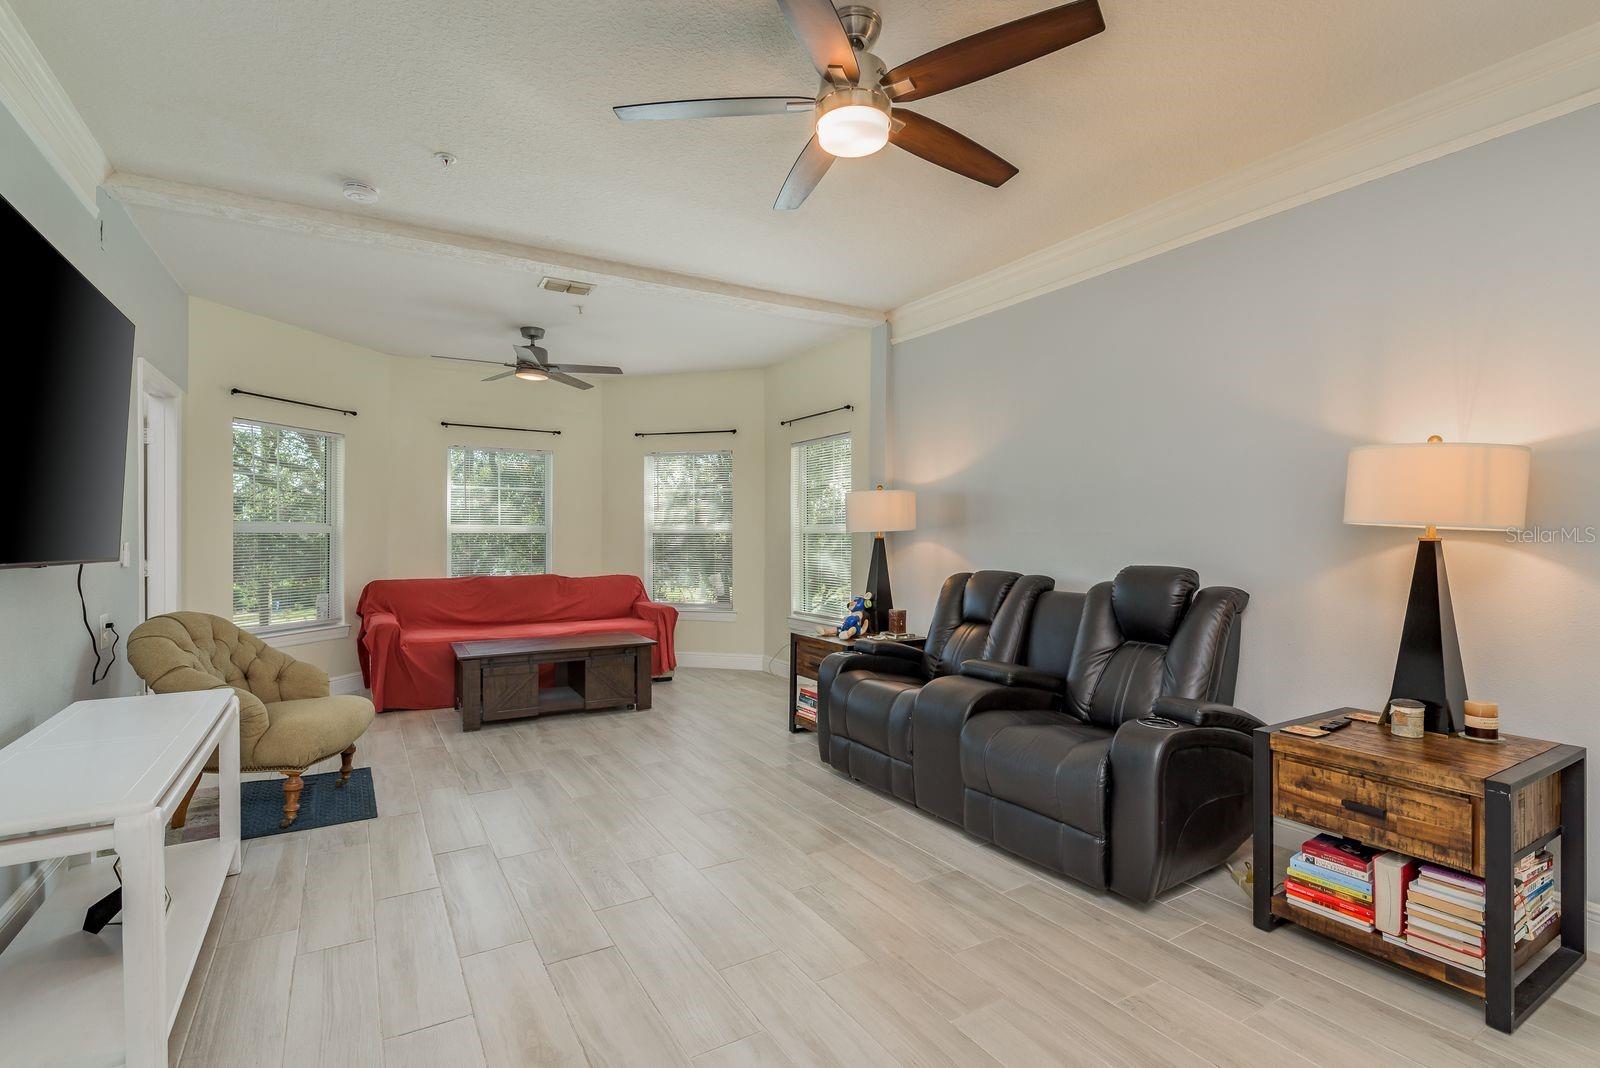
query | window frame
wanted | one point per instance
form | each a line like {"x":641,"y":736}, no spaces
{"x":798,"y":530}
{"x":333,"y":619}
{"x":704,"y":612}
{"x":493,"y":528}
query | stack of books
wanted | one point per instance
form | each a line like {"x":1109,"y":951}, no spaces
{"x":1534,"y":884}
{"x":1331,"y":877}
{"x":805,"y":706}
{"x":1444,"y":917}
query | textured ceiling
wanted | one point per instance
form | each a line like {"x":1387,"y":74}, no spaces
{"x":284,"y":99}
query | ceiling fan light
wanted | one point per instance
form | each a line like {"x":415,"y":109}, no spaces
{"x":853,"y":122}
{"x":528,"y":374}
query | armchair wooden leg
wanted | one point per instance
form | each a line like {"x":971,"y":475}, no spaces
{"x":347,"y":759}
{"x":181,"y":815}
{"x":291,"y":798}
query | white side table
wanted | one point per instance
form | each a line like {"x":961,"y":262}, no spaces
{"x":99,"y":775}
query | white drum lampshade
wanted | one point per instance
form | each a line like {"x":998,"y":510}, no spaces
{"x":879,"y":510}
{"x":1454,"y":485}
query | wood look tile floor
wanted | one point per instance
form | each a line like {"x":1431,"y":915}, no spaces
{"x":690,"y":885}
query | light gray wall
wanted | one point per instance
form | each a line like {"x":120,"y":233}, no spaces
{"x":1196,"y":409}
{"x":45,"y":656}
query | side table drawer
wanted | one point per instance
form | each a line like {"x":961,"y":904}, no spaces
{"x":808,"y":658}
{"x":1428,"y":824}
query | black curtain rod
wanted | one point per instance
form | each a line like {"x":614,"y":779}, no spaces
{"x":813,"y":415}
{"x":673,"y":433}
{"x":518,"y":429}
{"x":286,"y":400}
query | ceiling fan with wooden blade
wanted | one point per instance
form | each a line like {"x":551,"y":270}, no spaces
{"x":857,"y":107}
{"x":536,"y":365}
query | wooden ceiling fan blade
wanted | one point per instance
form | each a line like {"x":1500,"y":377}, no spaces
{"x":938,"y":144}
{"x":567,"y":380}
{"x":498,"y":377}
{"x":807,"y":171}
{"x":583,"y":369}
{"x":816,"y":23}
{"x":715,"y":108}
{"x":985,"y":54}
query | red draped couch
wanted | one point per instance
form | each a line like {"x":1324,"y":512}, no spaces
{"x":407,"y":625}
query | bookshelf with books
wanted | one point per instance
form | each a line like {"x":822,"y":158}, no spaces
{"x":1445,"y":857}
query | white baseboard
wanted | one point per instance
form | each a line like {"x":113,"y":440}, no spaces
{"x":735,"y":661}
{"x":347,"y":683}
{"x":26,"y":899}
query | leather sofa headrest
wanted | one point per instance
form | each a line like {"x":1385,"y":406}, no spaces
{"x":985,"y":592}
{"x":1149,"y":601}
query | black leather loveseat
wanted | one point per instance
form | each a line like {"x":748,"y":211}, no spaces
{"x":1095,"y":739}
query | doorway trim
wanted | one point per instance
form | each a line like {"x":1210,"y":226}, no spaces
{"x":160,"y":467}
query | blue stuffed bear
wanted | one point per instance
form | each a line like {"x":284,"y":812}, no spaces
{"x":855,"y":621}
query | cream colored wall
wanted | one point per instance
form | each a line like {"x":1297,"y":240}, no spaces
{"x":395,"y":459}
{"x":824,"y":378}
{"x":426,"y":393}
{"x":727,"y":399}
{"x":230,"y":348}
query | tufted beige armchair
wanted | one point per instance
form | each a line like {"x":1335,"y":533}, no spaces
{"x":287,"y":719}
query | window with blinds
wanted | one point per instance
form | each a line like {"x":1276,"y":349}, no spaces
{"x":287,"y":512}
{"x":819,"y":553}
{"x":499,"y":522}
{"x":688,"y":517}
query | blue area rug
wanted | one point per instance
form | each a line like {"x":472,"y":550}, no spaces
{"x":321,"y":803}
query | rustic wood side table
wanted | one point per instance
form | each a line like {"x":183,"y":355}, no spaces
{"x":1477,"y":807}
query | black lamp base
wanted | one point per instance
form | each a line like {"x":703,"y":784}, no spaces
{"x":878,"y":586}
{"x":1428,"y":668}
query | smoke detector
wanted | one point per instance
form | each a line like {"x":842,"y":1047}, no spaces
{"x":566,"y":285}
{"x":359,"y":191}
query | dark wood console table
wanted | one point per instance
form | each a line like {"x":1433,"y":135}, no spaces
{"x":498,"y":680}
{"x":1473,"y":806}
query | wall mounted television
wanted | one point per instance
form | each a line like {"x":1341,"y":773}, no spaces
{"x":69,"y":373}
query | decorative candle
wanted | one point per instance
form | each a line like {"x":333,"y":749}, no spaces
{"x":1406,"y":718}
{"x":1483,"y":721}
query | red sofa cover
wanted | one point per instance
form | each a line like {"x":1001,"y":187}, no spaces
{"x":407,"y":625}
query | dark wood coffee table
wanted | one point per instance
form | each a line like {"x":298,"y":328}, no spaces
{"x":498,"y":680}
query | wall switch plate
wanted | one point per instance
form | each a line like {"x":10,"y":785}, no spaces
{"x":103,"y":636}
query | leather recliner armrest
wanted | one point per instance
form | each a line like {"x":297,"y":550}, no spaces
{"x":1203,"y":713}
{"x":1012,"y":675}
{"x":874,"y":647}
{"x":1180,"y":800}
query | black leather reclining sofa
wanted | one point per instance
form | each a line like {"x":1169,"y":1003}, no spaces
{"x":1090,"y":733}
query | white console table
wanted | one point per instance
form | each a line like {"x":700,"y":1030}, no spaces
{"x":109,"y":775}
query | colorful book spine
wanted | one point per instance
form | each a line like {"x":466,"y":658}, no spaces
{"x":1294,"y":888}
{"x":1318,"y":876}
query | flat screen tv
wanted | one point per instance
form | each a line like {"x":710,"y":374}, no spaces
{"x":69,"y":374}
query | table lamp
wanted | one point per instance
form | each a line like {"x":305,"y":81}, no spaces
{"x":880,"y":511}
{"x":1433,"y":485}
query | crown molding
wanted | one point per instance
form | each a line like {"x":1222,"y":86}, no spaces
{"x":142,"y":191}
{"x":1532,"y":87}
{"x":29,"y":90}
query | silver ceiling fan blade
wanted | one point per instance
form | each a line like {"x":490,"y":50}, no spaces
{"x":816,"y":23}
{"x":807,"y":171}
{"x":469,"y":359}
{"x":567,"y":380}
{"x":498,"y":377}
{"x":715,"y":108}
{"x":582,"y":369}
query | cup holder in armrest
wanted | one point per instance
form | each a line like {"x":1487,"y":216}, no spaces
{"x":1160,"y":722}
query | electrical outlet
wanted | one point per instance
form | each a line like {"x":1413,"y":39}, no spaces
{"x":103,"y":638}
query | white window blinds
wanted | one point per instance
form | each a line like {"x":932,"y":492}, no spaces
{"x":287,"y":513}
{"x":499,"y":522}
{"x":819,"y":554}
{"x":688,"y":516}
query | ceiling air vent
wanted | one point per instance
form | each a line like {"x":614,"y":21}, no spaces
{"x":566,"y":285}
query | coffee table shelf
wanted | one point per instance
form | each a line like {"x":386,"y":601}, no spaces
{"x":515,"y":678}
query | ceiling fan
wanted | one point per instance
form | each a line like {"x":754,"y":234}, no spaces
{"x":858,"y":105}
{"x":536,"y":366}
